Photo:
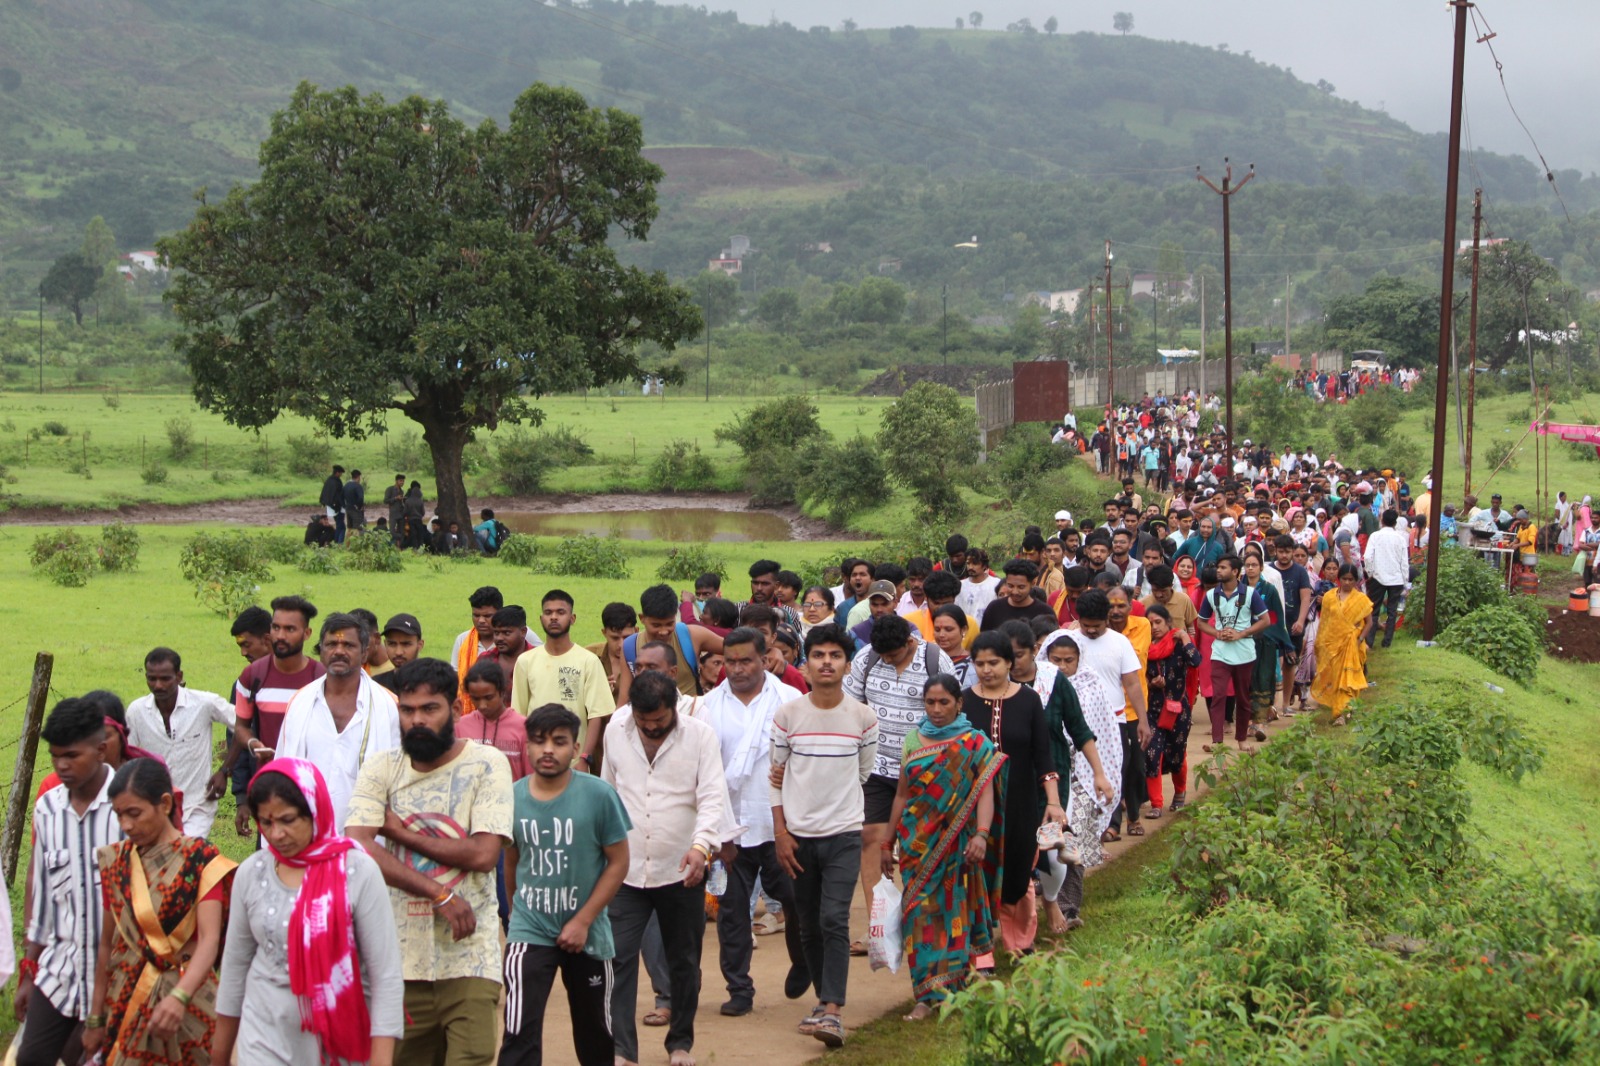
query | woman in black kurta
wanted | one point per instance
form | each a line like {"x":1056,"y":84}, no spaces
{"x":1012,"y":716}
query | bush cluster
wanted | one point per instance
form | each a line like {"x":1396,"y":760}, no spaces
{"x":1325,"y":905}
{"x":681,"y":467}
{"x":372,"y":554}
{"x":66,"y":557}
{"x":586,"y":556}
{"x":226,"y":570}
{"x":520,"y":463}
{"x":1500,"y":637}
{"x":311,"y":456}
{"x":689,"y":562}
{"x":519,"y":549}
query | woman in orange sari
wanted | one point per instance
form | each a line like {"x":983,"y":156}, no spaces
{"x":1342,"y":626}
{"x":166,"y":896}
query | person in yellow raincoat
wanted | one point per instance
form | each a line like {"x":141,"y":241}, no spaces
{"x":1346,"y":616}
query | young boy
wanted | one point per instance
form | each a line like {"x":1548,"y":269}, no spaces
{"x":71,"y":821}
{"x":568,"y":856}
{"x":823,"y":748}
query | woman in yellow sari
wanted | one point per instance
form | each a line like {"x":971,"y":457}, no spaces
{"x":1345,"y":620}
{"x":166,"y":897}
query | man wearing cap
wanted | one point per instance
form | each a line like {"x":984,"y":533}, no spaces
{"x":341,"y":718}
{"x":402,"y":640}
{"x":881,"y":598}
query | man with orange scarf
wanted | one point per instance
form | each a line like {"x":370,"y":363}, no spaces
{"x":477,"y":640}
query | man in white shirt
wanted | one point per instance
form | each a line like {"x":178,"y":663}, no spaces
{"x":343,"y":716}
{"x":668,"y":771}
{"x":1388,"y":564}
{"x":740,"y":710}
{"x":176,"y":723}
{"x":1110,"y":656}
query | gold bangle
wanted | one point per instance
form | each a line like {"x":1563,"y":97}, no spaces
{"x":95,"y":1021}
{"x":181,"y":996}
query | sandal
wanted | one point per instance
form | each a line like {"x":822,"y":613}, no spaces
{"x":1210,"y":749}
{"x":830,"y":1030}
{"x":857,"y":949}
{"x":1179,"y":801}
{"x":1155,"y":812}
{"x":809,"y":1022}
{"x":1136,"y":829}
{"x":658,"y":1017}
{"x":767,"y":924}
{"x":1110,"y":836}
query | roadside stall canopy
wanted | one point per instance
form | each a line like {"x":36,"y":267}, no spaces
{"x":1576,"y":434}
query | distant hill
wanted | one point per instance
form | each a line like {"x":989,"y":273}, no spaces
{"x":123,"y":107}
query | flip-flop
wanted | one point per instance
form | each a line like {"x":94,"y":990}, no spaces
{"x":1110,"y":836}
{"x":658,"y":1017}
{"x":1136,"y":829}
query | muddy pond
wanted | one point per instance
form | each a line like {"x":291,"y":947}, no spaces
{"x":684,"y":524}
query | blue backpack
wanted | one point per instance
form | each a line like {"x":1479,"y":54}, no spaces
{"x":686,"y":653}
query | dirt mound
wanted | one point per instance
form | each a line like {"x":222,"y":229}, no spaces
{"x":1573,"y":635}
{"x":965,"y":379}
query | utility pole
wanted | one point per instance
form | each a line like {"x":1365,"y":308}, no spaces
{"x":1446,"y":294}
{"x":944,"y":322}
{"x":1202,"y":339}
{"x":708,"y":336}
{"x":1286,"y":289}
{"x":1472,"y":331}
{"x":41,"y":338}
{"x":1111,"y":364}
{"x":1226,"y":192}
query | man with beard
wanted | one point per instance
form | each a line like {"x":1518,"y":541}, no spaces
{"x":764,"y":590}
{"x":562,"y":672}
{"x":442,"y":805}
{"x":343,"y":718}
{"x":510,"y":630}
{"x":741,"y":713}
{"x":568,"y":856}
{"x":264,"y":689}
{"x":668,"y":771}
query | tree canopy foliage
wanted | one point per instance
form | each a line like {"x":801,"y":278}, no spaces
{"x":393,"y":259}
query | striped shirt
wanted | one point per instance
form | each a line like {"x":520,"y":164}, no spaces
{"x":263,"y":692}
{"x":895,"y":696}
{"x":67,"y":906}
{"x":828,"y":753}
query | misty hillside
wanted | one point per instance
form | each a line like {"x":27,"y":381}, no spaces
{"x":123,"y":107}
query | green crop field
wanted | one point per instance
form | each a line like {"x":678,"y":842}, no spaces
{"x":43,"y":469}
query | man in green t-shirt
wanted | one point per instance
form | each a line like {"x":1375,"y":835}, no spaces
{"x":568,"y":856}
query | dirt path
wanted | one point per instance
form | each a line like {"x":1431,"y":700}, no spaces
{"x":766,"y":1036}
{"x":277,"y":512}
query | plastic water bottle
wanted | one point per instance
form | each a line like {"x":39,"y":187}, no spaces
{"x":717,"y":879}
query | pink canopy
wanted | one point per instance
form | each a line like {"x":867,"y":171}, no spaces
{"x":1576,"y":434}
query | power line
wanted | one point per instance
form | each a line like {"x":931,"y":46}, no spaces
{"x":1484,"y":38}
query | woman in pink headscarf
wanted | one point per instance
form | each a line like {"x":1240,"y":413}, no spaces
{"x":311,"y":971}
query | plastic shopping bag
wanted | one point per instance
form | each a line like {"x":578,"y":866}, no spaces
{"x":883,"y":930}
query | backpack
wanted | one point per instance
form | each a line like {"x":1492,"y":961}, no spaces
{"x":502,"y":532}
{"x":686,"y":655}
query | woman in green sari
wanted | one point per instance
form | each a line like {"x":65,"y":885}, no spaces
{"x":1271,"y":642}
{"x":947,"y":819}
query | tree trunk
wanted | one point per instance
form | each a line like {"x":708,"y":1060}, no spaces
{"x":447,"y":443}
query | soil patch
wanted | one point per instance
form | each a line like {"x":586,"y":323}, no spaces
{"x":1573,"y":635}
{"x":275,"y":512}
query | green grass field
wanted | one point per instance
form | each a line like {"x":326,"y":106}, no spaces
{"x":625,"y":431}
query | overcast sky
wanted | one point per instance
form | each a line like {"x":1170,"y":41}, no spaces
{"x":1393,"y":52}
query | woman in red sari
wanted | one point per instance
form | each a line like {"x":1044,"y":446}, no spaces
{"x":947,"y":819}
{"x":166,"y":897}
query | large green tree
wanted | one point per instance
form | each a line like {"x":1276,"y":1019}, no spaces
{"x":393,"y":259}
{"x":928,"y":437}
{"x":1393,"y":315}
{"x":70,"y":281}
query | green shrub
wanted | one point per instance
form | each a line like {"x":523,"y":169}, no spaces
{"x":520,"y":464}
{"x":787,"y":425}
{"x":63,"y":556}
{"x":112,"y":400}
{"x":1466,"y":583}
{"x":563,"y":446}
{"x":56,"y":429}
{"x":180,"y":438}
{"x":688,"y":563}
{"x":373,"y":553}
{"x":408,"y":451}
{"x":586,"y":556}
{"x":311,"y":456}
{"x":846,"y":479}
{"x":119,"y":547}
{"x":1024,"y":454}
{"x":681,"y":467}
{"x":226,"y":569}
{"x":774,"y":476}
{"x":154,"y":473}
{"x":519,"y":549}
{"x":261,"y":462}
{"x":1498,"y":453}
{"x":1501,"y":638}
{"x":319,"y":561}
